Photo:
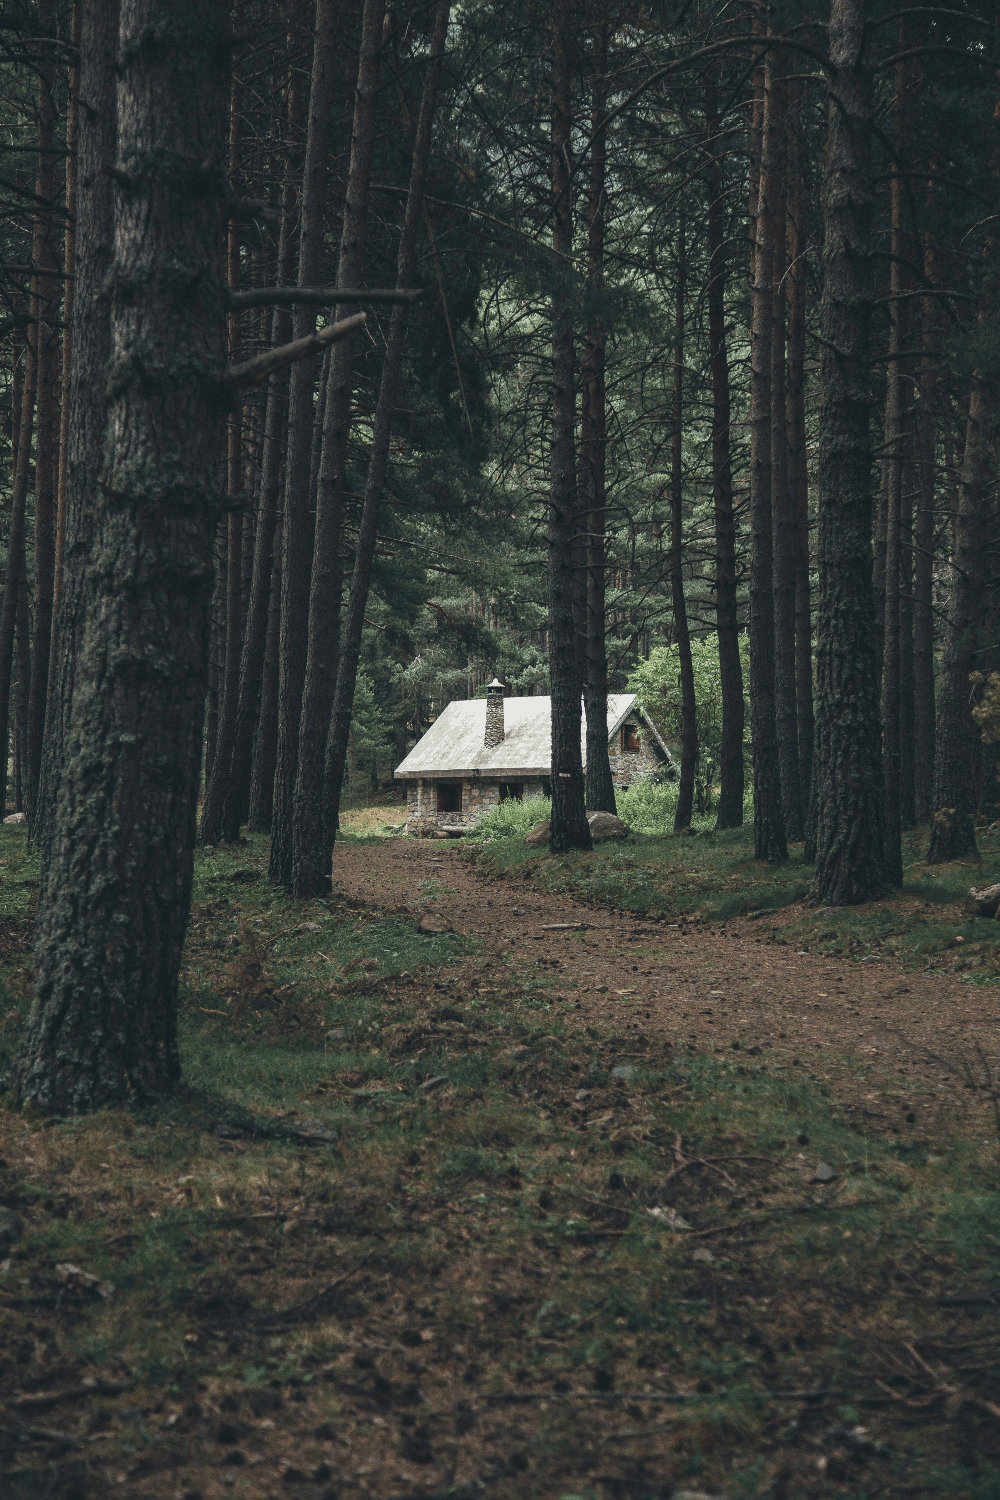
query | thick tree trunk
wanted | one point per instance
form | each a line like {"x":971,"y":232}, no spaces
{"x":297,"y":530}
{"x":798,"y":470}
{"x":599,"y":787}
{"x":769,"y":828}
{"x":90,"y":352}
{"x":116,"y":895}
{"x":682,"y":632}
{"x":45,"y":299}
{"x":569,"y":828}
{"x":850,"y":854}
{"x":731,"y":772}
{"x":784,"y":517}
{"x":69,"y":267}
{"x":923,"y":564}
{"x":388,"y":400}
{"x":265,"y":742}
{"x":311,"y":838}
{"x":957,"y":747}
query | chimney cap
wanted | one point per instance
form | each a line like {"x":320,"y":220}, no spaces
{"x":496,"y":683}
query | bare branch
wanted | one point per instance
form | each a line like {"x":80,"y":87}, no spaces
{"x":317,"y":296}
{"x":253,"y":371}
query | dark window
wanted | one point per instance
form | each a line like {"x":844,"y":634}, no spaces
{"x":512,"y":791}
{"x":449,"y":796}
{"x":631,"y":743}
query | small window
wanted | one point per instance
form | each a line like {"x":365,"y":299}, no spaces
{"x":449,"y":796}
{"x":631,"y":743}
{"x":512,"y":791}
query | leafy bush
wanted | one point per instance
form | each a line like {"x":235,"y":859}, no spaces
{"x":648,"y":808}
{"x":510,"y":818}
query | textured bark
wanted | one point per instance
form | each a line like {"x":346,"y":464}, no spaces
{"x":850,"y":857}
{"x":784,"y":517}
{"x":251,"y":781}
{"x":116,"y":894}
{"x":215,"y":826}
{"x":569,"y":828}
{"x":798,"y":470}
{"x":69,"y":267}
{"x":297,"y":528}
{"x":311,"y":838}
{"x":957,"y":746}
{"x":682,"y":632}
{"x":46,"y":295}
{"x":14,"y":575}
{"x":731,"y":772}
{"x":923,"y":563}
{"x":388,"y":400}
{"x":599,"y":787}
{"x":90,"y":348}
{"x":769,"y":828}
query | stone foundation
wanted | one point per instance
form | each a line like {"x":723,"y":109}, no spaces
{"x":423,"y":819}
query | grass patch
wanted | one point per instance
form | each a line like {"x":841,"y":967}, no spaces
{"x":411,"y":1231}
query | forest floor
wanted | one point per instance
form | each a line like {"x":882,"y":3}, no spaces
{"x":560,"y":1200}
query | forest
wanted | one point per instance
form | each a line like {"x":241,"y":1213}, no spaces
{"x":355,"y":357}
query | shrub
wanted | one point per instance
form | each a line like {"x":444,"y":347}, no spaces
{"x":510,"y":818}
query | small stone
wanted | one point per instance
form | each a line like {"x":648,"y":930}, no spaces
{"x":538,"y":835}
{"x":338,"y":1034}
{"x":582,"y":1094}
{"x":432,"y":925}
{"x":670,"y":1217}
{"x":78,"y":1280}
{"x":625,"y":1071}
{"x":703,"y":1256}
{"x":604,"y":826}
{"x":824,"y":1173}
{"x":13,"y":818}
{"x":11,"y":1228}
{"x":311,"y":1131}
{"x":681,"y":1074}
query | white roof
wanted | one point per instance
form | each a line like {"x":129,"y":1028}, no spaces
{"x":453,"y":746}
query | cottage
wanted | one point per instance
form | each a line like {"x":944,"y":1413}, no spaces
{"x":477,"y":753}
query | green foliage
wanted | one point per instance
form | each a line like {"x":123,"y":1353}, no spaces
{"x":512,"y":819}
{"x":657,"y":683}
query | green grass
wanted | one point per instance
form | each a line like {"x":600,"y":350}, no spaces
{"x":462,"y":1288}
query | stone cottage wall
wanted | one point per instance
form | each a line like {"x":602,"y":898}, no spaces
{"x":629,"y":767}
{"x":423,"y":818}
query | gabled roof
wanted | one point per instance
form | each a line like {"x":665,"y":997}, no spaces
{"x":453,"y":746}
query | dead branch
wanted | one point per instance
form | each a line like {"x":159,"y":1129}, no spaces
{"x":253,"y":371}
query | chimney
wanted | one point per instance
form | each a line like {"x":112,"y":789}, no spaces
{"x":494,"y":714}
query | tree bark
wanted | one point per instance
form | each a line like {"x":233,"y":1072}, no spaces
{"x":769,"y":828}
{"x":90,"y":351}
{"x":388,"y":400}
{"x":850,"y":852}
{"x":297,"y":526}
{"x":682,"y":632}
{"x":731,"y":770}
{"x":798,"y":469}
{"x":311,"y":838}
{"x":923,"y":561}
{"x":569,"y":828}
{"x":115,"y":899}
{"x":599,"y":787}
{"x":265,"y":742}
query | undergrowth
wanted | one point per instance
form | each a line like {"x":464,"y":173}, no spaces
{"x":412,"y":1230}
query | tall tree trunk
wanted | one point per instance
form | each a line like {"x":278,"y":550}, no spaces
{"x":69,"y":266}
{"x":297,"y":527}
{"x":250,"y":784}
{"x":388,"y":400}
{"x":90,"y":352}
{"x":923,"y":561}
{"x":45,"y":298}
{"x":599,"y":787}
{"x":682,"y":632}
{"x":215,"y":827}
{"x":569,"y":828}
{"x":784,"y":517}
{"x":769,"y":827}
{"x":311,"y":838}
{"x":850,"y":852}
{"x":114,"y":903}
{"x":731,"y":772}
{"x":798,"y":469}
{"x":957,"y":745}
{"x":14,"y":577}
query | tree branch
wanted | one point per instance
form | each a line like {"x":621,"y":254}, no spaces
{"x":317,"y":296}
{"x":253,"y":371}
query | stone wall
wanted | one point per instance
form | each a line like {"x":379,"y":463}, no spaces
{"x":423,"y":818}
{"x":628,"y":767}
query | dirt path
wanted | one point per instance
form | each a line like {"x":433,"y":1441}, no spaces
{"x":710,"y":988}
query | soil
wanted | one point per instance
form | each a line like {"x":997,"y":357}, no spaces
{"x":876,"y":1033}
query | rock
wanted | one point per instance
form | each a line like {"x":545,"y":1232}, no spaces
{"x":433,"y":925}
{"x":312,"y":1132}
{"x":11,"y":1228}
{"x":625,"y":1071}
{"x":670,"y":1217}
{"x":823,"y":1173}
{"x":981,"y":902}
{"x":78,"y":1280}
{"x":604,"y":826}
{"x":703,"y":1256}
{"x":16,"y":818}
{"x":538,"y":835}
{"x":338,"y":1034}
